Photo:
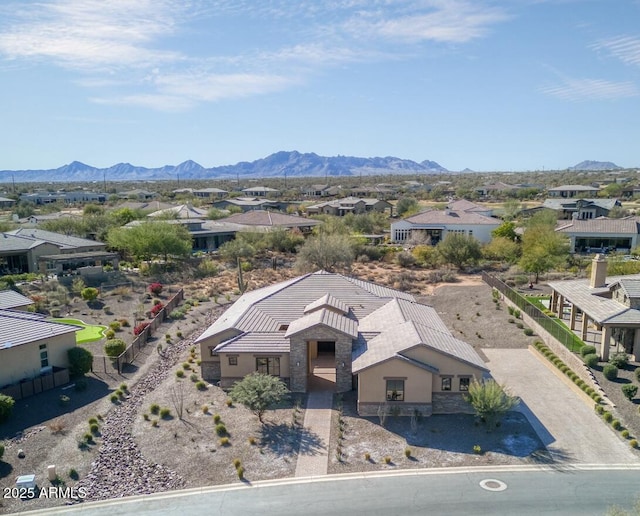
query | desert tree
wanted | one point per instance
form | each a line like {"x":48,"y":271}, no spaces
{"x":152,"y":239}
{"x":460,"y":250}
{"x":542,"y":247}
{"x":259,"y":392}
{"x":327,"y":252}
{"x":490,"y":400}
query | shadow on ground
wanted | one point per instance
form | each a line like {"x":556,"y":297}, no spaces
{"x":42,"y":407}
{"x":283,"y":439}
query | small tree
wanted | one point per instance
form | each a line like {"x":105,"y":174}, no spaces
{"x":6,"y":407}
{"x":80,"y":361}
{"x":326,"y":252}
{"x":460,"y":250}
{"x":490,"y":401}
{"x":629,"y":391}
{"x":114,"y":347}
{"x":258,"y":392}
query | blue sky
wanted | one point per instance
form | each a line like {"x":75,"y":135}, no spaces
{"x":489,"y":85}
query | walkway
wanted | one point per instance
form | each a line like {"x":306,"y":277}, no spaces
{"x":568,"y":427}
{"x":317,"y":423}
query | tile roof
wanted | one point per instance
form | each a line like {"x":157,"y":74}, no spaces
{"x":11,"y":299}
{"x":464,"y":205}
{"x":269,"y":219}
{"x":572,"y":203}
{"x":183,"y":211}
{"x":18,"y":328}
{"x":64,"y":241}
{"x":327,"y":300}
{"x":570,"y":188}
{"x":324,"y":317}
{"x":451,"y":217}
{"x":255,"y":343}
{"x":10,"y":242}
{"x":630,"y":286}
{"x":627,"y":225}
{"x":398,"y":311}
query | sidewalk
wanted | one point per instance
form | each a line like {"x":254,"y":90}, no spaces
{"x":317,"y":423}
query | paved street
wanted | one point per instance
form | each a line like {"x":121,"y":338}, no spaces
{"x":568,"y":427}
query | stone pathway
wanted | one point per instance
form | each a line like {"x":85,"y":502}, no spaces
{"x":317,"y":423}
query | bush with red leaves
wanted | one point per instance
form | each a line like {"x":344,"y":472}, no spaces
{"x":140,"y":328}
{"x":156,"y":309}
{"x":156,"y":288}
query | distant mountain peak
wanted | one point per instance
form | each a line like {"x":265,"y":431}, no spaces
{"x":595,"y":165}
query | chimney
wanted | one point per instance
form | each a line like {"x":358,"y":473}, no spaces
{"x":598,"y":271}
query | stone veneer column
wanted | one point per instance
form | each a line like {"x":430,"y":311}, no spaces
{"x":585,"y":326}
{"x":344,"y":376}
{"x":605,"y":343}
{"x":298,"y":362}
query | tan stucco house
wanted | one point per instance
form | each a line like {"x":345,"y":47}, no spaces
{"x":341,"y":333}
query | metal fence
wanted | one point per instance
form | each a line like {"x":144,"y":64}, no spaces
{"x":552,"y":326}
{"x":110,"y":364}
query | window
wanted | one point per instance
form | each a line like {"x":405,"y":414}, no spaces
{"x":268,"y":365}
{"x":446,"y":383}
{"x":464,"y":384}
{"x":395,"y":390}
{"x":233,"y":360}
{"x":44,"y":356}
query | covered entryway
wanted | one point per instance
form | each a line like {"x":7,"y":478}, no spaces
{"x":322,"y":365}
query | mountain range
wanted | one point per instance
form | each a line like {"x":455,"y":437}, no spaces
{"x":279,"y":164}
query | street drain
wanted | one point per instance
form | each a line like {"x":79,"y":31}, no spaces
{"x":491,"y":484}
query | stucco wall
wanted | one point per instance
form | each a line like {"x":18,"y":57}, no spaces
{"x":247,"y":364}
{"x":210,"y":366}
{"x":23,"y":361}
{"x":372,"y":383}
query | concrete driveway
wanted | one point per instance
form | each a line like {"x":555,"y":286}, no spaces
{"x":569,"y":428}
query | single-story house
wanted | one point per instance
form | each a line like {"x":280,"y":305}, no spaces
{"x":328,"y":330}
{"x":138,"y":193}
{"x":183,"y":211}
{"x":32,"y":347}
{"x":267,"y":220}
{"x":320,"y":190}
{"x":6,"y":203}
{"x":246,"y":204}
{"x":601,"y":235}
{"x":145,"y":206}
{"x":12,"y":300}
{"x":471,"y":207}
{"x":434,"y":225}
{"x":611,"y":304}
{"x":210,"y":193}
{"x":581,"y":209}
{"x":260,"y":191}
{"x":356,"y":205}
{"x":573,"y":191}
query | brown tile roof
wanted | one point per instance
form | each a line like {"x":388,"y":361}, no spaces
{"x":269,"y":219}
{"x":627,"y":225}
{"x":451,"y":217}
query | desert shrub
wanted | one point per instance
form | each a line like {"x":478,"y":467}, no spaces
{"x":180,"y":373}
{"x":625,"y":434}
{"x":228,"y":402}
{"x":94,"y":428}
{"x":124,"y":323}
{"x":637,"y":373}
{"x":520,"y":325}
{"x":110,"y":334}
{"x":216,"y":418}
{"x":405,"y":259}
{"x":89,"y":293}
{"x":252,"y":441}
{"x":93,"y":421}
{"x":186,"y":366}
{"x":115,"y":325}
{"x":114,"y":347}
{"x":477,"y":449}
{"x":616,"y":425}
{"x":633,"y":443}
{"x":237,"y":463}
{"x":165,"y":413}
{"x":607,"y":416}
{"x":516,"y":313}
{"x":140,"y":328}
{"x":620,"y":359}
{"x":240,"y":472}
{"x":193,"y":377}
{"x":154,"y":408}
{"x":587,"y":350}
{"x":156,"y":309}
{"x":224,"y":441}
{"x":156,"y":288}
{"x":407,"y":452}
{"x":80,"y":361}
{"x":73,"y":474}
{"x":201,"y":386}
{"x":177,"y":314}
{"x":528,"y":332}
{"x":114,"y":398}
{"x":6,"y":407}
{"x":387,"y":460}
{"x":629,"y":391}
{"x":610,"y":372}
{"x":599,"y":409}
{"x":591,"y":360}
{"x":221,"y":430}
{"x":154,"y":423}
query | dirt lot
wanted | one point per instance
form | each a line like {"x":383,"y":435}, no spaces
{"x":133,"y":455}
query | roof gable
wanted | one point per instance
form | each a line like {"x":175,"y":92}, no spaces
{"x":324,"y":317}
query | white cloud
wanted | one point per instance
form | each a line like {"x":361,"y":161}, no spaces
{"x":625,"y":48}
{"x":591,"y":89}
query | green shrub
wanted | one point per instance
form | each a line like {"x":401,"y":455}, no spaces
{"x":73,"y":474}
{"x":607,"y":416}
{"x":165,"y":413}
{"x":224,"y":441}
{"x":114,"y":398}
{"x":528,"y":332}
{"x":387,"y":460}
{"x":80,"y":361}
{"x":6,"y":407}
{"x":633,"y":443}
{"x":216,"y":418}
{"x":629,"y":391}
{"x":637,"y":373}
{"x":93,"y":421}
{"x":193,"y":377}
{"x":236,"y":463}
{"x":591,"y":360}
{"x":599,"y":409}
{"x":154,"y":423}
{"x":176,"y":314}
{"x":89,"y":293}
{"x":110,"y":334}
{"x":180,"y":373}
{"x":221,"y":430}
{"x":94,"y":428}
{"x":115,"y":325}
{"x":616,"y":425}
{"x":154,"y":408}
{"x":625,"y":434}
{"x":520,"y":325}
{"x":201,"y":386}
{"x":610,"y":372}
{"x":620,"y":359}
{"x":587,"y":350}
{"x":407,"y":452}
{"x":114,"y":347}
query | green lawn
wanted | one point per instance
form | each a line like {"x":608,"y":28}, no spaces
{"x":88,"y":333}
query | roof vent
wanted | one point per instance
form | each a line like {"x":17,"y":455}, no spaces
{"x":283,"y":327}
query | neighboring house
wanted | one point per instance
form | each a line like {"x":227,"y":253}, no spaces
{"x":356,"y":205}
{"x":495,"y":188}
{"x":33,"y":353}
{"x":611,"y":305}
{"x":261,"y":191}
{"x":35,"y":250}
{"x":601,"y":235}
{"x":246,"y":204}
{"x":6,"y":203}
{"x":145,"y":206}
{"x":381,"y":191}
{"x":380,"y":341}
{"x":80,"y":196}
{"x":12,"y":300}
{"x":138,"y":193}
{"x":183,"y":211}
{"x":320,"y":191}
{"x":434,"y":225}
{"x":573,"y":191}
{"x":470,"y":207}
{"x":268,"y":220}
{"x":581,"y":209}
{"x":210,"y":193}
{"x":39,"y":219}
